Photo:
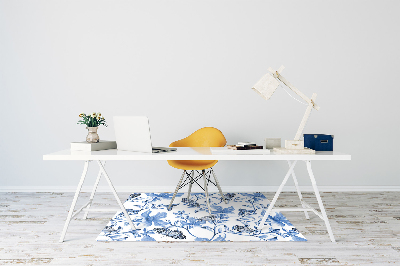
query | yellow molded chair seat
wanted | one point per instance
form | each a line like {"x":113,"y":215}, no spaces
{"x":204,"y":137}
{"x":192,"y":165}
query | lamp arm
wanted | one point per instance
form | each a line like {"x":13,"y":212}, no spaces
{"x":305,"y":117}
{"x":293,"y":88}
{"x":311,"y":102}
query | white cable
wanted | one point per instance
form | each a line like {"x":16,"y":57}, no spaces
{"x":291,"y":95}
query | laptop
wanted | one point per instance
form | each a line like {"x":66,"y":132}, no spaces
{"x":133,"y":134}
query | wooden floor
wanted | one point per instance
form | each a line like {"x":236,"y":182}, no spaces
{"x":366,"y":227}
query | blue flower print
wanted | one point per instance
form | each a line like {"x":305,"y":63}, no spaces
{"x":156,"y":219}
{"x":189,"y":220}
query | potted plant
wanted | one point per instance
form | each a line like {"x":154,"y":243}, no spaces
{"x":92,"y":123}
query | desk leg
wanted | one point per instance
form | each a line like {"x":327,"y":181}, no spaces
{"x":299,"y":192}
{"x":93,"y":192}
{"x":271,"y":205}
{"x":71,"y":210}
{"x":321,"y":205}
{"x":116,"y":195}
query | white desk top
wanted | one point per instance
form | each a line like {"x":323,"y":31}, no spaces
{"x":185,"y":153}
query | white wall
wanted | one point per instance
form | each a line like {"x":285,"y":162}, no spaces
{"x":190,"y":64}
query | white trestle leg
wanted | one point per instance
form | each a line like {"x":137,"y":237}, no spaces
{"x":116,"y":196}
{"x":93,"y":192}
{"x":71,"y":210}
{"x":299,"y":192}
{"x":271,"y":205}
{"x":305,"y":207}
{"x":321,"y":205}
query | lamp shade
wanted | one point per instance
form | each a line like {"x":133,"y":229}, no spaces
{"x":266,"y":86}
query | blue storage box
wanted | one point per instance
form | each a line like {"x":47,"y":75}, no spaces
{"x":318,"y":142}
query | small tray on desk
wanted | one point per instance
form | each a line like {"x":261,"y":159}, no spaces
{"x":225,"y":150}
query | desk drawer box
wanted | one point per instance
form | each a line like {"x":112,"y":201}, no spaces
{"x":318,"y":142}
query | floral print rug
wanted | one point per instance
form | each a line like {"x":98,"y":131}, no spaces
{"x":189,"y":220}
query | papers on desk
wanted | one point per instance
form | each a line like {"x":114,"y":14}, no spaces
{"x":225,"y":150}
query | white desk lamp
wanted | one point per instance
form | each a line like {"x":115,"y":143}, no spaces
{"x":266,"y":86}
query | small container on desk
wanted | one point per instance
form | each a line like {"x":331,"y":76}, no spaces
{"x":318,"y":142}
{"x":271,"y":143}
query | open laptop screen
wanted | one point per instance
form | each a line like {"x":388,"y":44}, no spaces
{"x":132,"y":133}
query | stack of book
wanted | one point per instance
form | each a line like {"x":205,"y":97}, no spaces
{"x":240,"y":148}
{"x":245,"y":146}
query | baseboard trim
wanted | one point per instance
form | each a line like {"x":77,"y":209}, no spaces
{"x":130,"y":189}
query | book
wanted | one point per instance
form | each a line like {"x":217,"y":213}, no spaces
{"x":227,"y":151}
{"x":244,"y":144}
{"x":250,"y":147}
{"x":86,"y":146}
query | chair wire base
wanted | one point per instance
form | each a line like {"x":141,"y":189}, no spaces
{"x":192,"y":177}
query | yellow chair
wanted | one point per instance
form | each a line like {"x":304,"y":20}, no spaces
{"x":204,"y":137}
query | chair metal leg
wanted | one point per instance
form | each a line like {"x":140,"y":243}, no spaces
{"x":176,"y":190}
{"x":190,"y":184}
{"x":206,"y":191}
{"x":219,"y":187}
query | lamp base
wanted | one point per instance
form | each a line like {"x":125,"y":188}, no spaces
{"x":293,"y":151}
{"x":294,"y":144}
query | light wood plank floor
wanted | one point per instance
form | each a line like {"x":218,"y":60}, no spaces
{"x":366,"y":226}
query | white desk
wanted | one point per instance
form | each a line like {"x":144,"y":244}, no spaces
{"x":194,"y":154}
